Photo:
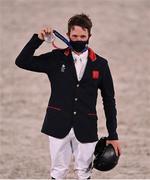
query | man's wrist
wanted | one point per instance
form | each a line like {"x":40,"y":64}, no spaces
{"x":38,"y":39}
{"x":35,"y":42}
{"x":113,"y":136}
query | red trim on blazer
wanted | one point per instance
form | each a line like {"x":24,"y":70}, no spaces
{"x":92,"y":54}
{"x":92,"y":114}
{"x":52,"y":107}
{"x":67,"y":52}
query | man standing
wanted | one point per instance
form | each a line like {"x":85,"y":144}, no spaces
{"x":75,"y":75}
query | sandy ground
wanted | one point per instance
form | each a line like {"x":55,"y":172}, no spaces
{"x":121,"y":33}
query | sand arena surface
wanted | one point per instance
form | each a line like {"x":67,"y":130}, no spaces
{"x":121,"y":33}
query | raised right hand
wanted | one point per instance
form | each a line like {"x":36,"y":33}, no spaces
{"x":44,"y":32}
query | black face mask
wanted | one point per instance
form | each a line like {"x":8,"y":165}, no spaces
{"x":79,"y":46}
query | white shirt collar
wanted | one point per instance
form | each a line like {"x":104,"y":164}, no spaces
{"x":82,"y":56}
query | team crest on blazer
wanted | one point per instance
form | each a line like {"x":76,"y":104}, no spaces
{"x":95,"y":74}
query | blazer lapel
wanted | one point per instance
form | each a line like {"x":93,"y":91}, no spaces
{"x":91,"y":59}
{"x":87,"y":71}
{"x":70,"y":63}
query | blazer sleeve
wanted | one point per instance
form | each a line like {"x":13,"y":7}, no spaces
{"x":107,"y":93}
{"x":28,"y":61}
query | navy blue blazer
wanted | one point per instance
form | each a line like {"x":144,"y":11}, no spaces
{"x":72,"y":103}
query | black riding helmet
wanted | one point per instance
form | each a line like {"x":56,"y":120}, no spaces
{"x":105,"y":156}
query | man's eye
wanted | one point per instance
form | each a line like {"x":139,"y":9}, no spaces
{"x":75,"y":36}
{"x":83,"y":36}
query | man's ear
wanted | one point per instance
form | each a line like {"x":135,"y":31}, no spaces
{"x":67,"y":34}
{"x":89,"y":37}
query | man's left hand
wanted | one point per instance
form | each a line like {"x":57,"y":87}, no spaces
{"x":116,"y":145}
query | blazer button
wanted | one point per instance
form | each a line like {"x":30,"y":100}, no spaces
{"x":74,"y":112}
{"x":76,"y":99}
{"x":77,"y":85}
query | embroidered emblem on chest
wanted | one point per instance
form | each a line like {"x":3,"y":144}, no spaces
{"x":95,"y":74}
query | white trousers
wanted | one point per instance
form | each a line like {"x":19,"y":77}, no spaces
{"x":61,"y":151}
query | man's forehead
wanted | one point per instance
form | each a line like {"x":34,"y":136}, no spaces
{"x":79,"y":28}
